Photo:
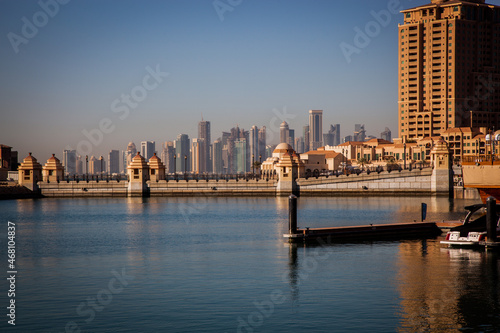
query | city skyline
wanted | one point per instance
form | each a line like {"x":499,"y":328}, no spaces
{"x":179,"y":61}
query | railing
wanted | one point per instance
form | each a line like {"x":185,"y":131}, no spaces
{"x":481,"y":160}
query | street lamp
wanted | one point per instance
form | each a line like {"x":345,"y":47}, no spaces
{"x":87,"y":166}
{"x":175,"y":163}
{"x":253,"y":165}
{"x":185,"y":164}
{"x":102,"y":160}
{"x":404,"y":155}
{"x":492,"y":138}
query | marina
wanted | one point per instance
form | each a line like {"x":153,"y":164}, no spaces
{"x":209,"y":264}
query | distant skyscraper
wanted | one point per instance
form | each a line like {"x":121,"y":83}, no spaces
{"x":269,"y":150}
{"x":240,"y":156}
{"x":299,"y":145}
{"x":359,"y":133}
{"x":237,"y":134}
{"x":336,"y":134}
{"x":204,"y":133}
{"x":167,"y":156}
{"x":114,"y":162}
{"x":386,"y":135}
{"x":307,"y":141}
{"x":69,"y":162}
{"x":197,"y":155}
{"x":147,"y":149}
{"x":347,"y":139}
{"x":225,"y":137}
{"x":182,"y":153}
{"x":291,"y":138}
{"x":94,"y":166}
{"x":315,"y":129}
{"x":225,"y":159}
{"x":284,"y":132}
{"x":328,"y":139}
{"x":79,"y":165}
{"x":217,"y":157}
{"x":262,"y":144}
{"x":254,"y":143}
{"x":128,"y":155}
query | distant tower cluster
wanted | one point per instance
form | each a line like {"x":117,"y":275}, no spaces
{"x":147,"y":149}
{"x":332,"y":138}
{"x":386,"y":135}
{"x":315,"y":129}
{"x":204,"y":143}
{"x":284,"y":132}
{"x":114,"y":162}
{"x":359,"y":133}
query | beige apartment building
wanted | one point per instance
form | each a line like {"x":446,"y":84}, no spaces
{"x":449,"y":68}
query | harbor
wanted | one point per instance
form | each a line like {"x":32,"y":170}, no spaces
{"x":400,"y":231}
{"x":214,"y":257}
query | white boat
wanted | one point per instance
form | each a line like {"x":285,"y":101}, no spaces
{"x":473,"y":230}
{"x":471,"y":239}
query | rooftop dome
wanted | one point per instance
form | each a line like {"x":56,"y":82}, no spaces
{"x":283,"y":146}
{"x":131,"y":146}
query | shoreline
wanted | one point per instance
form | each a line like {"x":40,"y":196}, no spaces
{"x":19,"y":192}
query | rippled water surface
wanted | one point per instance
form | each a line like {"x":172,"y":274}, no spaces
{"x":221,"y":265}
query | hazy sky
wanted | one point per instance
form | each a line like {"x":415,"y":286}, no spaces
{"x":148,"y":70}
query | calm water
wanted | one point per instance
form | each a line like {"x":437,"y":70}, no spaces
{"x":221,"y":265}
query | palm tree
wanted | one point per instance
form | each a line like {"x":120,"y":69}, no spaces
{"x":363,"y":161}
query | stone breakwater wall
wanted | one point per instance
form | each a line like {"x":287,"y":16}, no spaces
{"x":160,"y":188}
{"x":404,"y":182}
{"x":83,"y":188}
{"x":415,"y":182}
{"x":222,"y":187}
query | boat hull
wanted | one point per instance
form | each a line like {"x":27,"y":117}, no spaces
{"x":485,"y":177}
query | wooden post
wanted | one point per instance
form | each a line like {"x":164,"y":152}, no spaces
{"x":292,"y":214}
{"x":491,"y":219}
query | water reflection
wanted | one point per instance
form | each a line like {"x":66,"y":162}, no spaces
{"x":445,"y":289}
{"x":293,"y":274}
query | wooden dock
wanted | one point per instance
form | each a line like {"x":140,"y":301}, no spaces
{"x":362,"y":232}
{"x":366,"y":232}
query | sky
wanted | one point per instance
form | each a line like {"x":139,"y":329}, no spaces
{"x":93,"y":75}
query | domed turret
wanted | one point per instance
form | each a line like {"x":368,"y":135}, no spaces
{"x":53,"y":170}
{"x":30,"y":173}
{"x":156,"y":168}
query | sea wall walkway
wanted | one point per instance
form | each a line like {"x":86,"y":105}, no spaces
{"x":387,"y":183}
{"x":396,"y":182}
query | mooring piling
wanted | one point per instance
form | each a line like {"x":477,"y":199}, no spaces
{"x":292,"y":214}
{"x":491,"y":219}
